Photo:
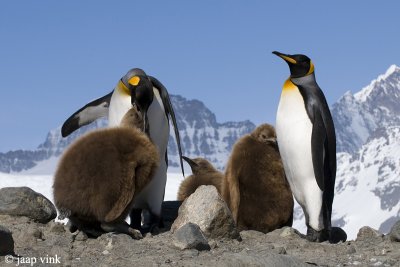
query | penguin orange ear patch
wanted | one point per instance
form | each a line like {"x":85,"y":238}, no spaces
{"x":134,"y":80}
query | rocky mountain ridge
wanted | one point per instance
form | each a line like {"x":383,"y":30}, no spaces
{"x":201,"y":135}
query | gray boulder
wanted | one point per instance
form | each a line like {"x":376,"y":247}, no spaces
{"x":394,"y":233}
{"x":6,"y":242}
{"x":251,"y":258}
{"x":208,"y":210}
{"x":23,"y":201}
{"x":190,"y":236}
{"x":367,"y":233}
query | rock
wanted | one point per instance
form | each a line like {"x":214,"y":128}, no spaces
{"x":251,"y":234}
{"x":368,"y":233}
{"x":289,"y":232}
{"x":23,"y":201}
{"x":81,"y":236}
{"x":281,"y":250}
{"x":394,"y":233}
{"x":351,"y":250}
{"x":190,"y":236}
{"x":56,"y":227}
{"x":209,"y":211}
{"x":253,"y":259}
{"x":6,"y":242}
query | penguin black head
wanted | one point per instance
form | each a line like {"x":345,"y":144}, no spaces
{"x":300,"y":65}
{"x":141,"y":91}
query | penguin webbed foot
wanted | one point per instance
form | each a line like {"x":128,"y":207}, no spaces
{"x":71,"y":227}
{"x":122,"y":227}
{"x":317,"y":236}
{"x":337,"y":235}
{"x":152,"y":223}
{"x":151,"y":228}
{"x":90,"y":229}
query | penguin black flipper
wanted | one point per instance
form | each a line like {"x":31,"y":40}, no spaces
{"x":318,"y":149}
{"x":323,"y":143}
{"x":90,"y":112}
{"x":169,"y":111}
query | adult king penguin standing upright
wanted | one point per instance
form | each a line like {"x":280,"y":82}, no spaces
{"x":307,"y":143}
{"x":152,"y":98}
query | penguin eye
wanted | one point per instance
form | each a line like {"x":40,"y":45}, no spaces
{"x":134,"y":80}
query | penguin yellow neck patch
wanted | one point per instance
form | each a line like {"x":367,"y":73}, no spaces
{"x":123,"y":88}
{"x":289,"y":85}
{"x":311,"y":68}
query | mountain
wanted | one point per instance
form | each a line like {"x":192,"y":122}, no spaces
{"x":201,"y":135}
{"x":376,"y":106}
{"x":368,"y":140}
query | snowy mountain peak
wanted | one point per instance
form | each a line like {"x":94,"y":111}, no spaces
{"x":357,"y":116}
{"x":363,"y":94}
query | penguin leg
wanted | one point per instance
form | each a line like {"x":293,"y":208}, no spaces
{"x":136,"y":219}
{"x":71,"y":227}
{"x":151,"y":222}
{"x":317,"y":236}
{"x":121,"y":227}
{"x":90,"y":229}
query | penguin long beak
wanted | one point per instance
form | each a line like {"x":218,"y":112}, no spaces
{"x":285,"y":57}
{"x":190,"y":162}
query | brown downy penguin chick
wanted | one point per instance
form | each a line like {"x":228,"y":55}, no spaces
{"x":100,"y":174}
{"x":203,"y":173}
{"x":255,"y":187}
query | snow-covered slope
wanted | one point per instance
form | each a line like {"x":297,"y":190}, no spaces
{"x":43,"y":183}
{"x":368,"y":183}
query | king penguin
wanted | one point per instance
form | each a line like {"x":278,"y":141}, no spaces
{"x":307,"y":144}
{"x":156,"y":118}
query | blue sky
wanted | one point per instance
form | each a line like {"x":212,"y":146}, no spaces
{"x":55,"y":56}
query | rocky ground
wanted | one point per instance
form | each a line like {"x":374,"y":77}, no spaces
{"x":188,"y":245}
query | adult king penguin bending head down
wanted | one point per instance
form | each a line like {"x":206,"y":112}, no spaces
{"x":152,"y":99}
{"x":307,"y":143}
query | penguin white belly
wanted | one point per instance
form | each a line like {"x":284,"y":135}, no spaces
{"x":294,"y":129}
{"x":152,"y":195}
{"x":120,"y":104}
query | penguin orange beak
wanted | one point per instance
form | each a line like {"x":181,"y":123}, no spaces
{"x":285,"y":57}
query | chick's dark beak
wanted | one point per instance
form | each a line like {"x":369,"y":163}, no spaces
{"x":191,"y":163}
